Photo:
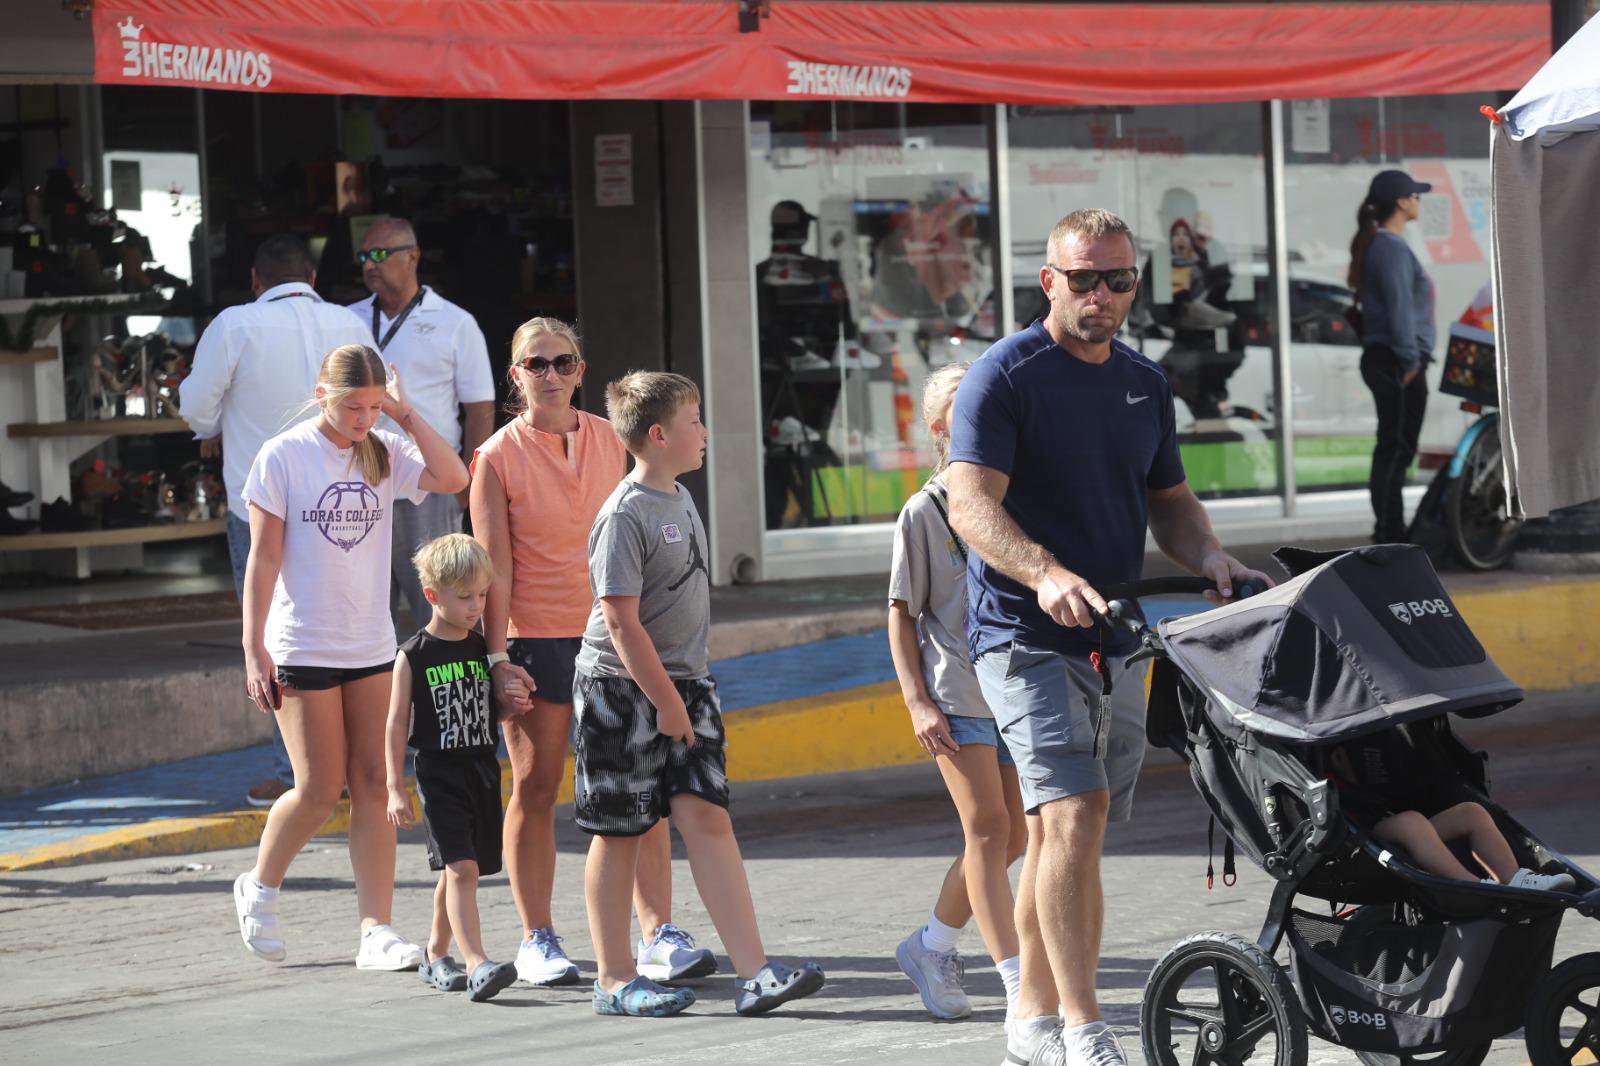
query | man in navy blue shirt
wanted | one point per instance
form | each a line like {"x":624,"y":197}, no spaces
{"x":1063,"y":451}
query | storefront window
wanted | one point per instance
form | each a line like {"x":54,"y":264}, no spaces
{"x":1191,"y":181}
{"x":871,"y":239}
{"x":1332,"y":150}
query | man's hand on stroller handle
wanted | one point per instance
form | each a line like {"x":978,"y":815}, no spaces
{"x":1226,"y":572}
{"x":1069,"y":599}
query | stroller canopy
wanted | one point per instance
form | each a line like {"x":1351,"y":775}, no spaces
{"x":1358,"y":641}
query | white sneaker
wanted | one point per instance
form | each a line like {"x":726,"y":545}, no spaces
{"x":809,"y":361}
{"x":1034,"y":1041}
{"x":384,"y":949}
{"x":937,"y":977}
{"x":671,"y":956}
{"x":542,"y":963}
{"x":1526,"y":878}
{"x":257,"y":911}
{"x":1097,"y":1047}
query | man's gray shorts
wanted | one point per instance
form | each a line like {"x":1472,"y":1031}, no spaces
{"x":1045,"y":704}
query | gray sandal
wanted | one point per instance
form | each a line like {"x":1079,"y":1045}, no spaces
{"x":445,"y":974}
{"x":489,"y":979}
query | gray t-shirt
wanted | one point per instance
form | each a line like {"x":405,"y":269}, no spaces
{"x":650,"y":544}
{"x":930,"y":574}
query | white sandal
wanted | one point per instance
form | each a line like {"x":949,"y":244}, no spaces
{"x":258,"y":920}
{"x":384,"y":949}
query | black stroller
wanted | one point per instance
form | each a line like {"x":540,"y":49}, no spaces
{"x":1402,"y":967}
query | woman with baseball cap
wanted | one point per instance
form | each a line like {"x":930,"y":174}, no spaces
{"x":1395,"y":296}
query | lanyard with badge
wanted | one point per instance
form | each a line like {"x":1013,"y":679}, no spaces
{"x":394,"y":327}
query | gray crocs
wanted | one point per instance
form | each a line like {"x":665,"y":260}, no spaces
{"x":774,"y":985}
{"x":445,"y":974}
{"x":489,"y":979}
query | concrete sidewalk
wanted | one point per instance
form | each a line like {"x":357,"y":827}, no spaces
{"x":821,"y":707}
{"x":139,"y":962}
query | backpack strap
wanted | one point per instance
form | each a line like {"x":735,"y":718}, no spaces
{"x":937,"y":494}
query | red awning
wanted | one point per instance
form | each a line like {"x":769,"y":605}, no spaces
{"x":1077,"y":54}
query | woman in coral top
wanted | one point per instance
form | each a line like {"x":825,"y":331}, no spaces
{"x":537,"y":485}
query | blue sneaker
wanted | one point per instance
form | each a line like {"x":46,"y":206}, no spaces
{"x":642,"y":998}
{"x":542,"y":963}
{"x":671,"y":956}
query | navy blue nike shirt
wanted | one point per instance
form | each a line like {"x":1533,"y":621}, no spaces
{"x":1083,"y":444}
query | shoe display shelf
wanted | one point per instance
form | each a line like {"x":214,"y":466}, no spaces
{"x":40,"y":444}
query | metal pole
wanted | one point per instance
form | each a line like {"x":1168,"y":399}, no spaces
{"x":203,"y":268}
{"x":1000,"y":212}
{"x":1278,"y":257}
{"x":1566,"y":18}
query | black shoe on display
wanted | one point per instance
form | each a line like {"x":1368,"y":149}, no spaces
{"x":62,"y":517}
{"x":10,"y":497}
{"x":10,"y":527}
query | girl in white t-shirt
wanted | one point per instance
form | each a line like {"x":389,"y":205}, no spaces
{"x":928,"y":639}
{"x":319,"y":647}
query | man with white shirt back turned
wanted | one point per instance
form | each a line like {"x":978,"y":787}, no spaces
{"x":445,"y":366}
{"x":254,"y":367}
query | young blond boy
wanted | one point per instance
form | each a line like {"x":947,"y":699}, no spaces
{"x":650,"y":739}
{"x":440,"y":705}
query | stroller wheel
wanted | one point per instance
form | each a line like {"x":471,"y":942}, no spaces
{"x":1470,"y":1055}
{"x":1216,"y":999}
{"x":1563,"y":1018}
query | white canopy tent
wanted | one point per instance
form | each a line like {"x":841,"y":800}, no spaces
{"x":1546,"y":165}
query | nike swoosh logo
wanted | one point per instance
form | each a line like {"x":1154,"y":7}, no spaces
{"x":1132,"y":399}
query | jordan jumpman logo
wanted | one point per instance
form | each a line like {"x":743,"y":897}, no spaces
{"x":696,"y":560}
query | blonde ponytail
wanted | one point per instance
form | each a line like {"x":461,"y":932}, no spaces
{"x":347,"y":368}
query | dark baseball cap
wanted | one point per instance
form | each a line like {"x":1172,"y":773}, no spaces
{"x":1395,"y":185}
{"x":789,"y":213}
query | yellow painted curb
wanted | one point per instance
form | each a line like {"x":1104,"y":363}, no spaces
{"x":857,"y":729}
{"x":1542,"y":634}
{"x":1538,"y":632}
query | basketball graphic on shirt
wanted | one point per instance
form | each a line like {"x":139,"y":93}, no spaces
{"x":346,"y":513}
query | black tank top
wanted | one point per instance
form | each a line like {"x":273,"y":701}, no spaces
{"x":451,"y":709}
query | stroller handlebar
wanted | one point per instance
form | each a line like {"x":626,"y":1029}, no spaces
{"x":1122,"y":608}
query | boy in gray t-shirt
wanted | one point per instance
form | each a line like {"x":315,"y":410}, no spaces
{"x":650,"y":742}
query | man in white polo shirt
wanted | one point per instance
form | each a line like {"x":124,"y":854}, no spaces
{"x":254,"y":370}
{"x":445,"y":366}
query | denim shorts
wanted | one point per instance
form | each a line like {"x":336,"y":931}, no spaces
{"x":1045,"y":704}
{"x":965,"y":729}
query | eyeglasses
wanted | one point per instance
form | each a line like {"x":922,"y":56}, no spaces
{"x":381,"y":255}
{"x":1120,"y":279}
{"x":538,"y":366}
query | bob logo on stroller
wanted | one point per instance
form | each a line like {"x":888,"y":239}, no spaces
{"x":1342,"y":1016}
{"x":1419,"y":609}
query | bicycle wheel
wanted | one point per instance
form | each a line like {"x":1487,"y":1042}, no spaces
{"x":1482,"y":531}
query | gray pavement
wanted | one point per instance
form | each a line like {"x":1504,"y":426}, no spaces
{"x":138,"y":962}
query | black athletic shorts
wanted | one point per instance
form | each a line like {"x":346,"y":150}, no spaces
{"x":461,"y":813}
{"x":321,"y":678}
{"x":550,"y":661}
{"x":626,"y":773}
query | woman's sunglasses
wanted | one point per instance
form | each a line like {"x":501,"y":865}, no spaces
{"x":1122,"y":279}
{"x":538,"y":366}
{"x":381,"y":255}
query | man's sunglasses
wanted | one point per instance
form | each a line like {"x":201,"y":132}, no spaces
{"x":1122,"y":279}
{"x":538,"y":366}
{"x":381,"y":255}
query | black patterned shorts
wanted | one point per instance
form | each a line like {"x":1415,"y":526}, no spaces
{"x":626,"y":773}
